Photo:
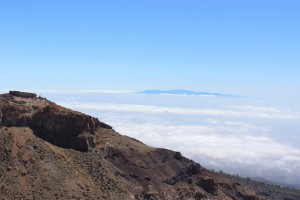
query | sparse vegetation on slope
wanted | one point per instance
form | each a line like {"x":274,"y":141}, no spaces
{"x":266,"y":190}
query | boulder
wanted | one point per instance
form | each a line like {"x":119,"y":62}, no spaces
{"x":208,"y":185}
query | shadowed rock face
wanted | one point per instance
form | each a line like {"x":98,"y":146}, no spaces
{"x":49,"y":121}
{"x":54,"y":121}
{"x":22,"y":94}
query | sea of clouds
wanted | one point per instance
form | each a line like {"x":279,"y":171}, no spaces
{"x":239,"y":136}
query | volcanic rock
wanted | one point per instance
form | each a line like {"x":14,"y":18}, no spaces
{"x":22,"y":94}
{"x":55,"y":124}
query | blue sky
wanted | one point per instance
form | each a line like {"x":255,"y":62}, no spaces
{"x":241,"y":47}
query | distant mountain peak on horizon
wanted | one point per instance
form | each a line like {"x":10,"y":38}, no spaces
{"x":186,"y":92}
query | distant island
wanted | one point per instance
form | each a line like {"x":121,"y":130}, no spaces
{"x":185,"y":92}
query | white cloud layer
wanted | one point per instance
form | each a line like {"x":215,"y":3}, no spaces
{"x":216,"y":138}
{"x":222,"y":147}
{"x":229,"y":111}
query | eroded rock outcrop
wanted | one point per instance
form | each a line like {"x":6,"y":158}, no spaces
{"x":22,"y":94}
{"x":209,"y":185}
{"x":58,"y":125}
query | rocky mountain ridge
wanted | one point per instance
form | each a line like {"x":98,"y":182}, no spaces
{"x":53,"y":123}
{"x":51,"y":152}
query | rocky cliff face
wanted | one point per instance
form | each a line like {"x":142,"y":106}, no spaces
{"x":108,"y":165}
{"x":51,"y":122}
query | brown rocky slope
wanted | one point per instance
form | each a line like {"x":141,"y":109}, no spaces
{"x":50,"y":152}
